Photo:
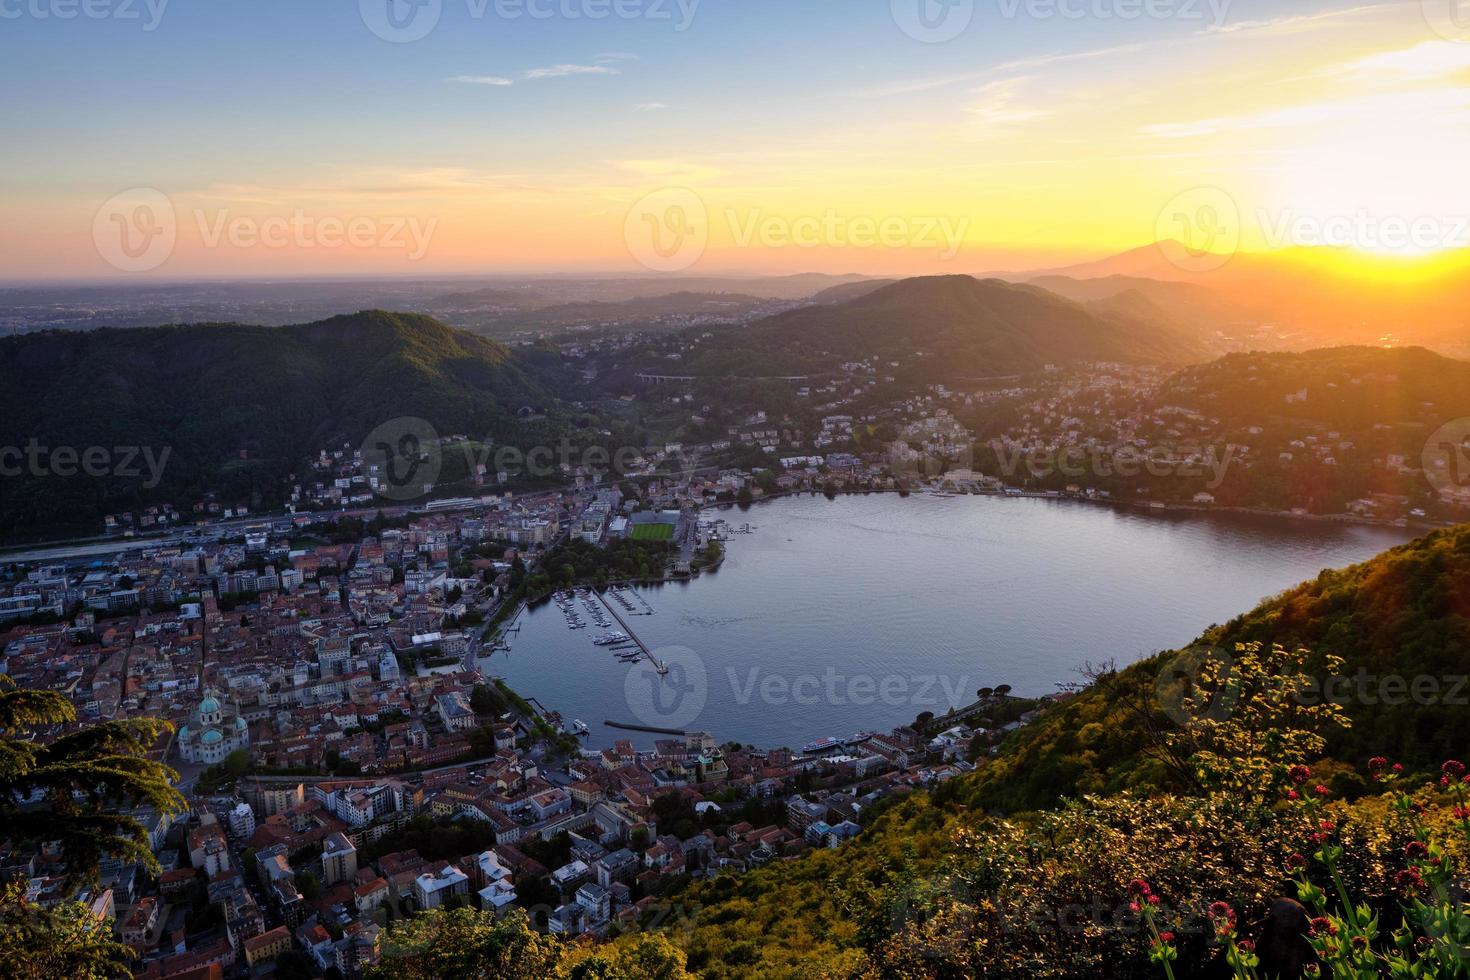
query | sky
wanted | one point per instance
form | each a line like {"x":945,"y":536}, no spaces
{"x":172,"y":139}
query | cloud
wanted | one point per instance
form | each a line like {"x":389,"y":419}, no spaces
{"x":651,"y":106}
{"x":562,"y":71}
{"x":997,"y":103}
{"x":1427,"y":60}
{"x":671,"y":171}
{"x":482,"y":80}
{"x":1450,"y":101}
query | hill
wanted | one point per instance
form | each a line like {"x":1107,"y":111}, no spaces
{"x":1347,"y":388}
{"x":943,"y":327}
{"x":1186,"y":303}
{"x":237,"y":408}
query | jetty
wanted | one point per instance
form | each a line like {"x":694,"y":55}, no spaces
{"x":658,"y":665}
{"x":646,"y":728}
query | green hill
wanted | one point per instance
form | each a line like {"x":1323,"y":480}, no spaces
{"x":946,"y":327}
{"x":238,"y":408}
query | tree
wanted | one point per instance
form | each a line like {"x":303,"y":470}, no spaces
{"x":67,"y":941}
{"x":68,"y":789}
{"x":465,"y":943}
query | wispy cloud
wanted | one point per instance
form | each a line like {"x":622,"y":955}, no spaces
{"x":482,"y":80}
{"x":651,"y":106}
{"x":997,"y":103}
{"x":1426,"y":60}
{"x":562,"y":71}
{"x":1378,"y":107}
{"x":671,"y":171}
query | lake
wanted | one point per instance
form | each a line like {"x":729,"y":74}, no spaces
{"x":856,"y":614}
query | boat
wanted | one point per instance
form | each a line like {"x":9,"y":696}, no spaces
{"x":821,"y":745}
{"x":579,"y":726}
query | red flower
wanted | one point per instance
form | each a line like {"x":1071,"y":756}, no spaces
{"x":1139,"y":887}
{"x":1166,"y":937}
{"x":1320,"y":790}
{"x":1416,"y":851}
{"x":1246,"y":946}
{"x":1377,"y":764}
{"x":1322,"y":924}
{"x":1292,"y":794}
{"x":1409,"y":880}
{"x":1299,"y":774}
{"x":1453,"y":768}
{"x":1295,"y":862}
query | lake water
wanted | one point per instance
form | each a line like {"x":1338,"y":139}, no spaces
{"x":856,"y":614}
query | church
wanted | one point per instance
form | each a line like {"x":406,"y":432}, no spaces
{"x":213,"y":732}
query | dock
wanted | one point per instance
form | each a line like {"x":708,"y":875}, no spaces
{"x":658,"y":665}
{"x":645,"y":728}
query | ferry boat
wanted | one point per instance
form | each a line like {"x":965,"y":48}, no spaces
{"x":821,"y":745}
{"x":579,"y":726}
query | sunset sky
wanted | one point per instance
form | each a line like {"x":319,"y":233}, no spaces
{"x":1031,"y":138}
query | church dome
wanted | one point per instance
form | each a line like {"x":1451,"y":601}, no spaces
{"x":209,"y":705}
{"x":211,"y":737}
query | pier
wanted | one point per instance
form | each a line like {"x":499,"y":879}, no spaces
{"x":658,"y":665}
{"x":645,"y":728}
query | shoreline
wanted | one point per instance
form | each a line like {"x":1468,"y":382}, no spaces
{"x":1159,"y":508}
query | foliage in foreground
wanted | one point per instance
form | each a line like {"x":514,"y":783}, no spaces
{"x":68,"y":791}
{"x":39,"y":944}
{"x":465,"y":943}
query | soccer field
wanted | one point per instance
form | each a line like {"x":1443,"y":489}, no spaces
{"x":653,"y":532}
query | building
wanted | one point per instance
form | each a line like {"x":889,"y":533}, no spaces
{"x":432,"y":889}
{"x":213,"y":731}
{"x":242,"y":821}
{"x":267,"y":945}
{"x":339,"y":859}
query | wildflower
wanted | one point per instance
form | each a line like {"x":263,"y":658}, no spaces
{"x":1461,"y":813}
{"x":1166,"y":937}
{"x":1223,"y":918}
{"x":1139,"y":887}
{"x":1312,"y":970}
{"x":1295,"y":862}
{"x":1453,"y":768}
{"x":1292,"y":794}
{"x":1246,"y":946}
{"x":1299,"y":774}
{"x":1321,"y":924}
{"x":1409,"y":881}
{"x":1416,"y":851}
{"x":1320,"y":790}
{"x":1398,"y":767}
{"x":1377,"y":764}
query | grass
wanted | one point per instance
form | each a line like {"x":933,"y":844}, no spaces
{"x":653,"y":532}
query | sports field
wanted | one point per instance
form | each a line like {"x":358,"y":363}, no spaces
{"x":653,"y":532}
